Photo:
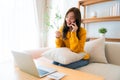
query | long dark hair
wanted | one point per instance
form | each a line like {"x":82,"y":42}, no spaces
{"x":77,"y":14}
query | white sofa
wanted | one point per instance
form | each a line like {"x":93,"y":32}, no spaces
{"x":109,"y":70}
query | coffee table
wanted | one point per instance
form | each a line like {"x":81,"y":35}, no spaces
{"x":71,"y":74}
{"x":8,"y":71}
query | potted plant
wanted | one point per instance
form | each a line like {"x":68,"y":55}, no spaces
{"x":102,"y":31}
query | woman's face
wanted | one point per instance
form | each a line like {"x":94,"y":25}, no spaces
{"x":70,"y":18}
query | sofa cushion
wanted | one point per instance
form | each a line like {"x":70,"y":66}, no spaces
{"x":108,"y":71}
{"x":96,"y":49}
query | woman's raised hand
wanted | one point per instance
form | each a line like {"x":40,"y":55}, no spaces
{"x":75,"y":27}
{"x":58,"y":34}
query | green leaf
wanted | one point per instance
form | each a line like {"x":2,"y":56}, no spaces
{"x":102,"y":30}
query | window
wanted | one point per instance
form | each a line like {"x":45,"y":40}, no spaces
{"x":18,"y":27}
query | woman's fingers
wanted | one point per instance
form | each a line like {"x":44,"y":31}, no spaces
{"x":58,"y":34}
{"x":75,"y":27}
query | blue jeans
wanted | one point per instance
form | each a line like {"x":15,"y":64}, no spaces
{"x":73,"y":65}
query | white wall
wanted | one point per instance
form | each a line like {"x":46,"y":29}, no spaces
{"x":112,"y":28}
{"x":68,"y":4}
{"x":102,"y":10}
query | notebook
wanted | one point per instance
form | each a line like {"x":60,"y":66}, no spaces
{"x":25,"y":62}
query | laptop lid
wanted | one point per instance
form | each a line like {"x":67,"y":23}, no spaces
{"x":25,"y":62}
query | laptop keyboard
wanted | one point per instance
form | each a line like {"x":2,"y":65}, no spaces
{"x":42,"y":72}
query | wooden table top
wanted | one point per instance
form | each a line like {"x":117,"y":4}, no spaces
{"x":9,"y":71}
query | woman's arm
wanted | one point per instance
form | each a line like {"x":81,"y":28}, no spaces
{"x":59,"y":42}
{"x":77,"y":45}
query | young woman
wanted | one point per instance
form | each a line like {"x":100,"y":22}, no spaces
{"x":72,"y":36}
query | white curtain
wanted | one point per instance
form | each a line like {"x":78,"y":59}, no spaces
{"x":18,"y":26}
{"x":41,"y":9}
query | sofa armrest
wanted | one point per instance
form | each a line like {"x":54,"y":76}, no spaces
{"x":112,"y":50}
{"x":37,"y":52}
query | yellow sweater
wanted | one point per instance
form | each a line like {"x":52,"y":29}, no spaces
{"x":73,"y":42}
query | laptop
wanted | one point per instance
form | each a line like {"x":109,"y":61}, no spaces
{"x":25,"y":62}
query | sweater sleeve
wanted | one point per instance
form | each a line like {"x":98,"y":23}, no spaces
{"x":77,"y":45}
{"x":59,"y":41}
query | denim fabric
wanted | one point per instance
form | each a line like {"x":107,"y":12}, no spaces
{"x":73,"y":65}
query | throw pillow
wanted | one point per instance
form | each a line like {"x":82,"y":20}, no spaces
{"x":96,"y":49}
{"x":63,"y":55}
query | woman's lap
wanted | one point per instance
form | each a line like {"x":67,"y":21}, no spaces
{"x":74,"y":65}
